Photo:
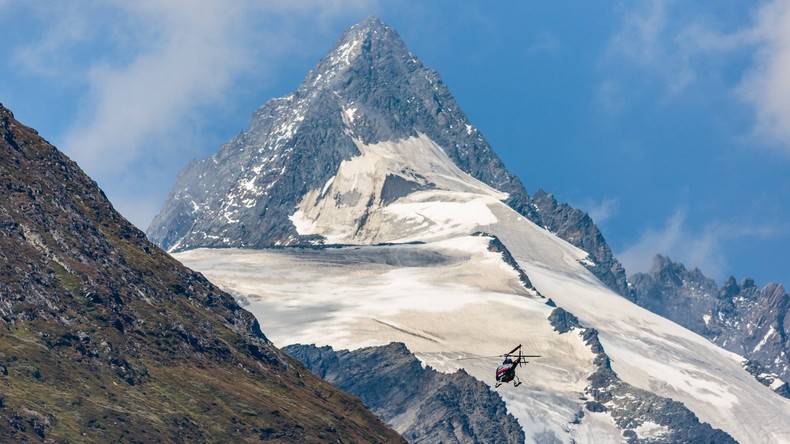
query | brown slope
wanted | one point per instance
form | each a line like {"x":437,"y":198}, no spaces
{"x":105,"y":337}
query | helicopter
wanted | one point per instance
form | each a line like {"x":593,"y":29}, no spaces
{"x":506,"y":372}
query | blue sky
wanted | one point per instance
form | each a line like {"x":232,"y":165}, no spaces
{"x":668,"y":121}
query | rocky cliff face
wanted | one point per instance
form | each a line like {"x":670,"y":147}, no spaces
{"x":106,"y":338}
{"x":676,"y":293}
{"x":368,"y":89}
{"x":422,"y":404}
{"x":740,"y":317}
{"x":576,"y":227}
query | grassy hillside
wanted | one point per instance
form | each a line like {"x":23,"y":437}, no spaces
{"x":104,"y":337}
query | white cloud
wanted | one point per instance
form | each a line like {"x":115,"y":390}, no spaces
{"x":703,"y":249}
{"x":601,"y":211}
{"x":190,"y":64}
{"x":66,"y":26}
{"x":666,"y":41}
{"x":155,"y":71}
{"x":767,"y":84}
{"x":648,"y":39}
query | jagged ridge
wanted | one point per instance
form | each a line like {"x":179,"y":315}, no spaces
{"x":740,"y":317}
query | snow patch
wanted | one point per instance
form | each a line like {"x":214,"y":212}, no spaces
{"x":345,"y":51}
{"x":350,"y":209}
{"x":349,"y":114}
{"x":587,"y":262}
{"x":765,"y":339}
{"x":651,"y":430}
{"x":327,"y":185}
{"x":462,"y":301}
{"x":441,"y":217}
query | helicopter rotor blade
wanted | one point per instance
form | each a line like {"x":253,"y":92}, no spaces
{"x":477,"y":357}
{"x":506,"y":355}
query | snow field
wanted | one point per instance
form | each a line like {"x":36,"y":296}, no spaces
{"x":468,"y":304}
{"x":647,"y":350}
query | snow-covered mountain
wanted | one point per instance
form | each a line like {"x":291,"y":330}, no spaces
{"x":741,"y":317}
{"x":428,"y":241}
{"x":369,"y":89}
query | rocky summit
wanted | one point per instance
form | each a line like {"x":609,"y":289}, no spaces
{"x":740,"y":316}
{"x":368,"y":89}
{"x":105,"y":338}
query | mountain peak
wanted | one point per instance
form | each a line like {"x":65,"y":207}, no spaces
{"x":367,"y":90}
{"x":363,"y":48}
{"x":661,"y":262}
{"x":370,"y":24}
{"x":370,"y":28}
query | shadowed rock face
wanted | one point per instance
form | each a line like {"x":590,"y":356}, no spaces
{"x":424,"y":405}
{"x":676,"y":293}
{"x":104,"y":337}
{"x":740,"y":317}
{"x":369,"y":88}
